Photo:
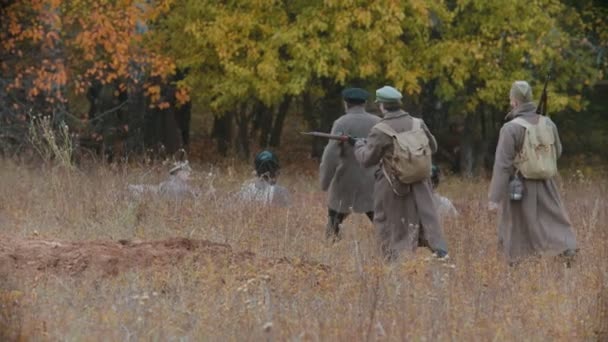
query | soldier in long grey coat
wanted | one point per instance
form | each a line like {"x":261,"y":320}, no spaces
{"x":404,"y":214}
{"x":350,"y":185}
{"x":538,"y":223}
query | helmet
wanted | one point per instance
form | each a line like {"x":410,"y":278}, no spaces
{"x":266,"y":162}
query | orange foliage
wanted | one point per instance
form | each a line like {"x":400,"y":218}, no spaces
{"x":50,"y":44}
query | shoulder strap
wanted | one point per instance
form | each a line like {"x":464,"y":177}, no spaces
{"x":417,"y":124}
{"x":388,"y":130}
{"x":385,"y":128}
{"x":522,"y":122}
{"x":543,"y":120}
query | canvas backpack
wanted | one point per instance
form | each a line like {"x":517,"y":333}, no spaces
{"x":538,"y":157}
{"x":411,"y":159}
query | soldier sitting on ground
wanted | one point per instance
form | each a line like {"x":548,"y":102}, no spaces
{"x":176,"y":187}
{"x":443,"y":204}
{"x":264,"y":188}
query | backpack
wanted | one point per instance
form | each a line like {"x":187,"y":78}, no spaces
{"x":411,"y":159}
{"x":538,"y":157}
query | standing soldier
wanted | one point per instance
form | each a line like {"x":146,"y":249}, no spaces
{"x":405,"y":214}
{"x":533,"y":219}
{"x":350,"y":186}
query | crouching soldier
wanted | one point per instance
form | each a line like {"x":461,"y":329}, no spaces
{"x":176,"y":187}
{"x":404,"y":210}
{"x":350,"y":186}
{"x":533,"y":219}
{"x":264,"y":188}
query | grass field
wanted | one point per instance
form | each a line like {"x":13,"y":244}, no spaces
{"x":269,"y":274}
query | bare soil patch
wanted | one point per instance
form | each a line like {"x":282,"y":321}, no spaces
{"x":113,"y":257}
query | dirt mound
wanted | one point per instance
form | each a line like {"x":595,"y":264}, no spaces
{"x":111,"y":258}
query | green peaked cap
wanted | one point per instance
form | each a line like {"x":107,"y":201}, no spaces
{"x":388,"y":94}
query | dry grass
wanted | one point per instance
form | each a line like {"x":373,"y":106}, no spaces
{"x":356,"y":297}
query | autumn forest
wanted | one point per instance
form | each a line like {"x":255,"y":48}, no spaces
{"x":131,"y":77}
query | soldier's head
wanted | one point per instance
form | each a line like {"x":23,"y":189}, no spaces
{"x":435,"y":176}
{"x":354,"y":97}
{"x":388,"y":99}
{"x":267,"y":166}
{"x":181,"y":170}
{"x":520,"y":93}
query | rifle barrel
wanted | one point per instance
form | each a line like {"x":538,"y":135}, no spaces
{"x":326,"y":135}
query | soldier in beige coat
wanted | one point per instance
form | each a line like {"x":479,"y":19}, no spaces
{"x":538,"y":223}
{"x":404,"y":214}
{"x":349,"y":185}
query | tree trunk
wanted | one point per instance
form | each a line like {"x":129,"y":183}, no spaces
{"x":262,"y":121}
{"x":170,"y":131}
{"x":308,"y":109}
{"x":222,"y":132}
{"x":183,"y":115}
{"x":467,"y":161}
{"x":242,"y":140}
{"x":277,"y":128}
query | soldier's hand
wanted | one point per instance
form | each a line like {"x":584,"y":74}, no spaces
{"x":352,"y":141}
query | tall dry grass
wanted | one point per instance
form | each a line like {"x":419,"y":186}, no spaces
{"x":475,"y":297}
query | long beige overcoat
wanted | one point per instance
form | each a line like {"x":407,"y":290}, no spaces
{"x":538,"y":224}
{"x":409,"y":218}
{"x":350,"y":186}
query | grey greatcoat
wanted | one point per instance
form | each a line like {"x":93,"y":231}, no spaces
{"x":409,"y":217}
{"x":538,"y":224}
{"x":260,"y":191}
{"x":350,"y":185}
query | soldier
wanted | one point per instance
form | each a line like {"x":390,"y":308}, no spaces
{"x":264,"y":188}
{"x":350,"y":185}
{"x":405,"y":214}
{"x":176,"y":187}
{"x":533,"y":221}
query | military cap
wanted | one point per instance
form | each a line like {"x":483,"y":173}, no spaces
{"x":388,"y":94}
{"x":356,"y":94}
{"x":266,"y":161}
{"x":521,"y":91}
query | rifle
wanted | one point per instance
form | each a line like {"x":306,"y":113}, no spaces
{"x":341,"y":138}
{"x":542,"y":103}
